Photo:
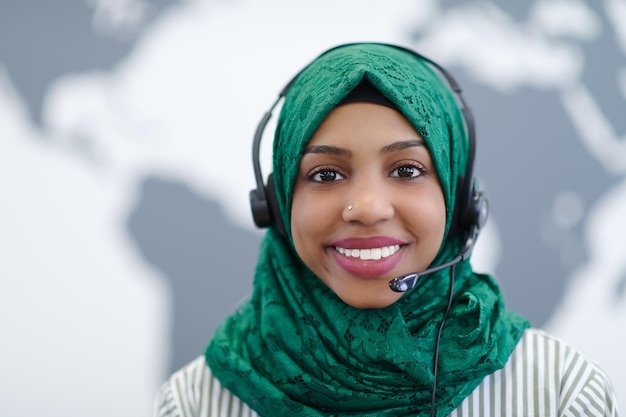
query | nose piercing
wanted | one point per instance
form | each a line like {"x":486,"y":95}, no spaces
{"x":350,"y":207}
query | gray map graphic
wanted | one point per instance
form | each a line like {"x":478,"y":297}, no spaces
{"x":209,"y":261}
{"x":41,"y":41}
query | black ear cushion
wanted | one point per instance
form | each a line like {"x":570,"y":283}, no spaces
{"x":475,"y":213}
{"x":472,"y":208}
{"x":260,"y":210}
{"x":264,"y":206}
{"x":462,"y":212}
{"x":277,"y":220}
{"x":479,"y":209}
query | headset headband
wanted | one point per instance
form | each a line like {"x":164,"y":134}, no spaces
{"x":470,"y":212}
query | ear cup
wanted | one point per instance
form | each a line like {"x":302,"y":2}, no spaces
{"x":470,"y":219}
{"x":264,"y":206}
{"x":479,"y":209}
{"x":260,"y":209}
{"x":272,"y":203}
{"x":472,"y":208}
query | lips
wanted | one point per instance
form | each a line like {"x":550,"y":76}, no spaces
{"x":367,"y":257}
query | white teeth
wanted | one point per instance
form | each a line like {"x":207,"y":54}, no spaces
{"x":369,"y":254}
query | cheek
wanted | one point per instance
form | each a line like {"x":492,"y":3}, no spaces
{"x":438,"y":214}
{"x":439,"y":221}
{"x":426,"y":215}
{"x":309,"y":218}
{"x":441,"y":211}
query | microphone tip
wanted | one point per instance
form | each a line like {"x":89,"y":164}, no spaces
{"x":398,"y":285}
{"x":404,"y":283}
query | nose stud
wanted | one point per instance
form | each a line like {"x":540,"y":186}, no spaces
{"x":350,"y":207}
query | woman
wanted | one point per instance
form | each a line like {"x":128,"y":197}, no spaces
{"x":373,"y":180}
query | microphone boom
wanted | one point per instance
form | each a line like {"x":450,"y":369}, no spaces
{"x":406,"y":282}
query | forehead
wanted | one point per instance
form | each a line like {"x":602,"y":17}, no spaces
{"x":363,"y":125}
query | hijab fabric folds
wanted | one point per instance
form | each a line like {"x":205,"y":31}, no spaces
{"x":295,"y":348}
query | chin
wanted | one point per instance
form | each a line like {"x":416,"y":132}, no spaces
{"x":366,"y":303}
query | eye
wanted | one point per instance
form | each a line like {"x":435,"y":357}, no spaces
{"x":325,"y":175}
{"x":408,"y":171}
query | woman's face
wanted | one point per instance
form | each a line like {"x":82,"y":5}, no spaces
{"x":367,"y":205}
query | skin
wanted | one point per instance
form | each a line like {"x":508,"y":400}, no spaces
{"x":367,"y":156}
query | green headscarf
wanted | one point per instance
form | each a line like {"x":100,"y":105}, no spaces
{"x":295,"y":348}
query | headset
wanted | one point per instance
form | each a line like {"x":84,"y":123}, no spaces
{"x":471,"y":208}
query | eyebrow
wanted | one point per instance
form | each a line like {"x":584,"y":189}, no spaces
{"x":400,"y":145}
{"x":326,"y":149}
{"x":335,"y":150}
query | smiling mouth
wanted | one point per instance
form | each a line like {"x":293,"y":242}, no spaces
{"x":372,"y":254}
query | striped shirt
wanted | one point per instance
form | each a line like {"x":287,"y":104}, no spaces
{"x":543,"y":377}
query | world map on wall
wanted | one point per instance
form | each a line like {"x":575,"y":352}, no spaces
{"x":125,"y":133}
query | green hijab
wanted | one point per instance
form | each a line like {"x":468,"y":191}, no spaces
{"x":295,"y":348}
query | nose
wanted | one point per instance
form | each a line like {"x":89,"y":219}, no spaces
{"x":368,"y":202}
